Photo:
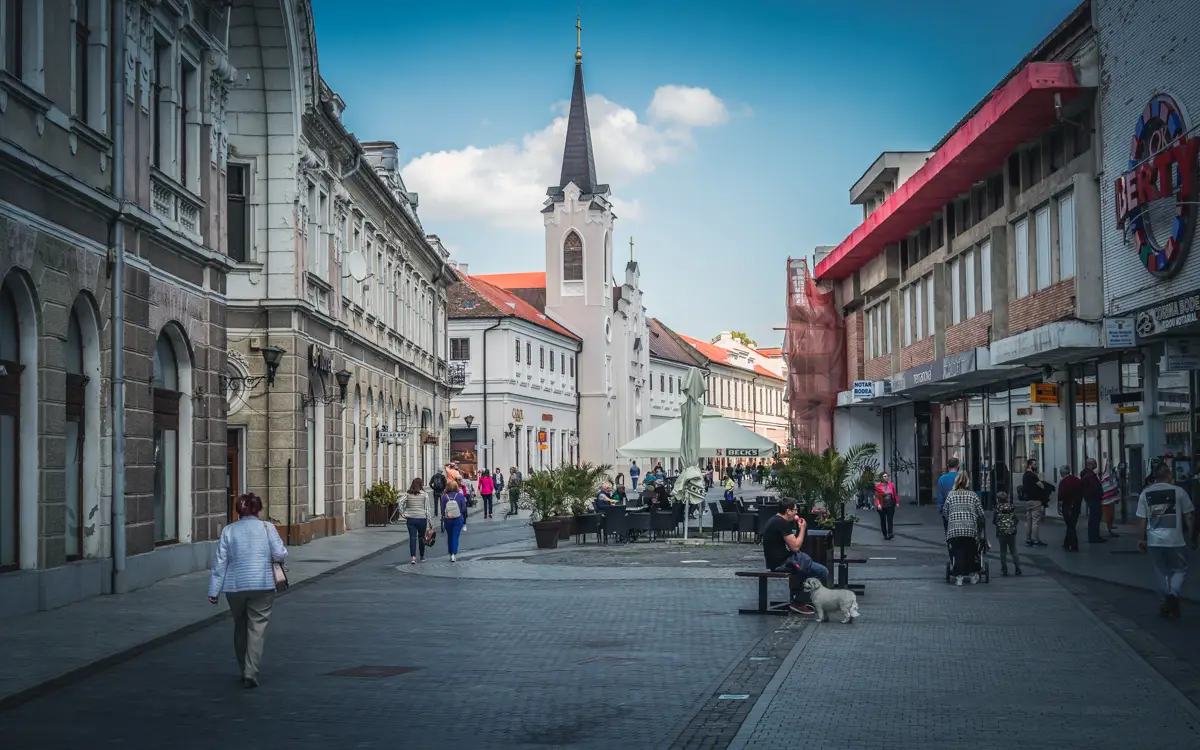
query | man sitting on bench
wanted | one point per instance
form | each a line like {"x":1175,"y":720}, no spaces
{"x":782,"y":538}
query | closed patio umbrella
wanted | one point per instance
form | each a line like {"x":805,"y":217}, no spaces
{"x":689,"y":485}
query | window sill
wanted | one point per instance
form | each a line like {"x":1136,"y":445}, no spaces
{"x":10,"y":85}
{"x":319,"y":282}
{"x":90,"y":135}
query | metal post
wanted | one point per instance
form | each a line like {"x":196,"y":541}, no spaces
{"x":289,"y":501}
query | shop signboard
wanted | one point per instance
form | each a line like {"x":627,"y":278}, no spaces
{"x":1044,"y":393}
{"x":1181,"y":356}
{"x":1119,"y":333}
{"x":1169,"y":315}
{"x":864,"y":389}
{"x":920,"y":375}
{"x":1163,"y":171}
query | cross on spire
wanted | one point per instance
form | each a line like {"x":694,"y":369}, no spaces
{"x":631,"y":248}
{"x":578,"y":40}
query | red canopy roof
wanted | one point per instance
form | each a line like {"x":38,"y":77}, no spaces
{"x":1015,"y":114}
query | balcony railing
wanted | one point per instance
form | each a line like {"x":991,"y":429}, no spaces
{"x":456,"y":374}
{"x":177,"y":208}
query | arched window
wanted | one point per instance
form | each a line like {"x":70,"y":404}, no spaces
{"x":76,"y":391}
{"x":353,"y":438}
{"x":572,"y":257}
{"x":166,"y":441}
{"x":10,"y":428}
{"x":368,"y":423}
{"x":380,"y":420}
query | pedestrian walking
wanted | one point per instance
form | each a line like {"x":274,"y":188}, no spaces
{"x":1110,"y":493}
{"x":1036,"y":494}
{"x":487,"y":487}
{"x":437,"y":485}
{"x":885,"y":503}
{"x":945,"y":485}
{"x":244,"y":569}
{"x":1093,"y":496}
{"x":498,"y":481}
{"x":635,"y":472}
{"x":514,"y":491}
{"x":454,"y":517}
{"x":414,"y":510}
{"x":1070,"y":501}
{"x":965,"y":523}
{"x":1167,"y":518}
{"x":1004,"y":518}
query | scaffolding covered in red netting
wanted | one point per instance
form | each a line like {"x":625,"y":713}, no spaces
{"x":814,"y":345}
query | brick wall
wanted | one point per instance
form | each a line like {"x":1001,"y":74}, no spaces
{"x":854,"y":348}
{"x":1055,"y":302}
{"x":879,"y":368}
{"x":968,"y":334}
{"x":916,"y":354}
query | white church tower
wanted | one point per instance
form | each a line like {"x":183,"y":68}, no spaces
{"x":582,"y":293}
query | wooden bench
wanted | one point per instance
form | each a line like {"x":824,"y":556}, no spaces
{"x":765,"y":605}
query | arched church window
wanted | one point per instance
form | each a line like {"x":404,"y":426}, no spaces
{"x":166,"y":440}
{"x":572,"y":257}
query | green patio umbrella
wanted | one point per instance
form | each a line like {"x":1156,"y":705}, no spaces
{"x":689,"y":485}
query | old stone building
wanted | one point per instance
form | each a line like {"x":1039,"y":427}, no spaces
{"x":334,"y":276}
{"x":106,"y":182}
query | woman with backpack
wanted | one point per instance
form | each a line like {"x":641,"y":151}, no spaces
{"x":487,"y":487}
{"x":454,"y":517}
{"x":885,"y":503}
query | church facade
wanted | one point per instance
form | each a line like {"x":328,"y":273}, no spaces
{"x":582,"y":293}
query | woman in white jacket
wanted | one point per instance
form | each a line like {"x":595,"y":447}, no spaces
{"x":243,"y":570}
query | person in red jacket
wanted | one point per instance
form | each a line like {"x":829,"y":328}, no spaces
{"x":885,"y":503}
{"x":487,"y":488}
{"x":1070,"y":501}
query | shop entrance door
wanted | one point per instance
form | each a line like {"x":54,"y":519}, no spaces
{"x":924,"y":452}
{"x":233,"y":471}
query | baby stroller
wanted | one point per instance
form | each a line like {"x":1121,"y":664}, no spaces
{"x":979,"y":561}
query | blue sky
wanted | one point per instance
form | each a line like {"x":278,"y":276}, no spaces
{"x":772,"y":109}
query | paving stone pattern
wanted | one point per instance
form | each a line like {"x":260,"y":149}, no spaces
{"x":1017,"y":663}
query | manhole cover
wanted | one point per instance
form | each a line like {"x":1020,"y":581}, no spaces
{"x":369,"y":672}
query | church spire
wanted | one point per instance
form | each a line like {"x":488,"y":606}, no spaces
{"x":578,"y":165}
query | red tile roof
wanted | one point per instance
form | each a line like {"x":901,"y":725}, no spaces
{"x":721,"y":356}
{"x":526,"y":280}
{"x":510,"y":305}
{"x":776,"y":352}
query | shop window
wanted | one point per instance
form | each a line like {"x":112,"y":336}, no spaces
{"x":1020,"y":450}
{"x":166,"y":441}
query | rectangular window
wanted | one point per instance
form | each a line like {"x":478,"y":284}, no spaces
{"x":551,"y":361}
{"x":955,"y":292}
{"x":323,"y":240}
{"x":189,"y":126}
{"x":562,"y":363}
{"x":160,"y":116}
{"x":235,"y":213}
{"x":887,"y":327}
{"x":14,"y":37}
{"x":572,"y":366}
{"x":930,"y":317}
{"x":83,"y":32}
{"x":528,"y":354}
{"x":969,"y":283}
{"x":919,"y":309}
{"x":907,"y":308}
{"x":1066,"y":236}
{"x":1041,"y":224}
{"x":460,"y":350}
{"x":662,"y":383}
{"x":542,"y":357}
{"x":671,"y":385}
{"x":985,"y":275}
{"x":1021,"y":242}
{"x":518,"y":351}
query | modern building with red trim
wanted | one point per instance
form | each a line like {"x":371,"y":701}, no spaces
{"x":975,"y":273}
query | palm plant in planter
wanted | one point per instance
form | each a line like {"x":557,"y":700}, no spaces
{"x":826,"y":480}
{"x":581,"y":484}
{"x":542,"y":493}
{"x":381,"y":499}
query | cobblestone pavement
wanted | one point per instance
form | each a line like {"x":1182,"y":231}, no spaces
{"x":585,"y":650}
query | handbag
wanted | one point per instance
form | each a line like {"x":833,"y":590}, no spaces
{"x":430,"y":537}
{"x":278,"y":572}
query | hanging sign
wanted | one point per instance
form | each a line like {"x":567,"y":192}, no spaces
{"x":864,"y":389}
{"x":1043,"y":393}
{"x":1119,"y":333}
{"x":740,"y":452}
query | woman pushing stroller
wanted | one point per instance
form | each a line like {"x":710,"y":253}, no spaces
{"x":966,"y":530}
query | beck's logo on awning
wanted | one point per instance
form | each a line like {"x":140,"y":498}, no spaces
{"x":1162,"y":167}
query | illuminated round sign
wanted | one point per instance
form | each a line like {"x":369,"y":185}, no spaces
{"x":1162,"y":167}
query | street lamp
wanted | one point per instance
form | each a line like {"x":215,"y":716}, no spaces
{"x":343,"y":380}
{"x":469,"y":419}
{"x":272,"y":355}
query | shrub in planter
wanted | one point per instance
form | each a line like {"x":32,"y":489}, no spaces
{"x":381,"y":499}
{"x":542,"y":495}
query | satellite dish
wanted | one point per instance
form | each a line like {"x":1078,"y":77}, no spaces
{"x":356,"y":265}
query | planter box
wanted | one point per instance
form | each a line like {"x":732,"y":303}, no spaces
{"x":564,"y":526}
{"x":378,"y":515}
{"x":546,"y":534}
{"x":843,"y":532}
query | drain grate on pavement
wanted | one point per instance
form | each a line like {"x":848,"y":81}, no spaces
{"x":372,"y":672}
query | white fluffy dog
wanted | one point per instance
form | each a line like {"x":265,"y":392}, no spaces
{"x":829,"y":600}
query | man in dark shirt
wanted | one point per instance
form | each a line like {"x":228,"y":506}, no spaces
{"x":1093,"y":495}
{"x":782,"y":538}
{"x":1037,"y":497}
{"x":1070,"y":500}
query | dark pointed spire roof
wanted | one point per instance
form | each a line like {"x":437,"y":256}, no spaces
{"x":579,"y":164}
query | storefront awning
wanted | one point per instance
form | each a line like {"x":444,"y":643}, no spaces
{"x":956,"y":374}
{"x":1052,"y":344}
{"x":1016,"y":113}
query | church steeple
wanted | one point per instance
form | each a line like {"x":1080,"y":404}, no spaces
{"x":578,"y":165}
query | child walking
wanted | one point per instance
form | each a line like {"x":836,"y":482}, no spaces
{"x":1005,"y":519}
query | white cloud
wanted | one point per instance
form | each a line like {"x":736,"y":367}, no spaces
{"x":688,"y":107}
{"x":505,"y":185}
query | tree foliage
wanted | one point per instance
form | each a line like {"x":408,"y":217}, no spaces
{"x":829,"y":478}
{"x":744,"y":338}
